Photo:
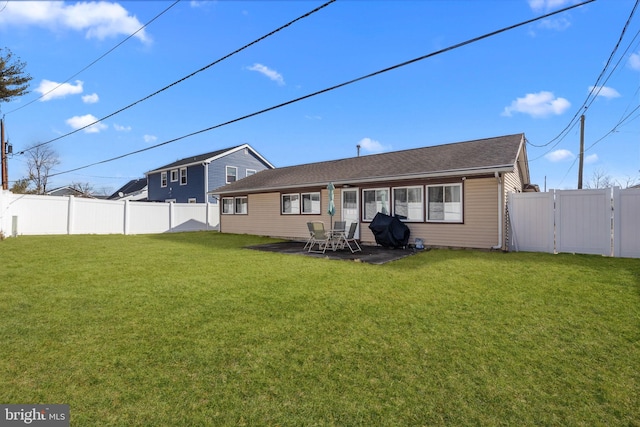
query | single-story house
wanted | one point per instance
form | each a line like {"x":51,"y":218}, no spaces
{"x":451,"y":195}
{"x":67,"y":190}
{"x":189,"y":180}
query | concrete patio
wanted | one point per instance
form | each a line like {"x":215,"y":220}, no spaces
{"x":369,"y":254}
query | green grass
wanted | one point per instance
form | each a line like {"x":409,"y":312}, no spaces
{"x":193,"y":330}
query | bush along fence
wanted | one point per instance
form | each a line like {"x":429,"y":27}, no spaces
{"x":604,"y":222}
{"x":25,"y":214}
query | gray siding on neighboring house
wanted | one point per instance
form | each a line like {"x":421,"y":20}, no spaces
{"x":242,"y":159}
{"x":204,"y":172}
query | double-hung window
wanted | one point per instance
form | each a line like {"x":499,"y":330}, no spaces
{"x":241,"y":205}
{"x":310,"y":203}
{"x":235,"y":205}
{"x":232,"y":174}
{"x":227,"y":205}
{"x":408,"y":204}
{"x":444,"y":203}
{"x":183,"y":176}
{"x":374,"y":201}
{"x":291,"y":204}
{"x":163,"y":179}
{"x":174,"y":175}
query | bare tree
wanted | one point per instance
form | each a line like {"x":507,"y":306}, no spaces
{"x":84,"y":187}
{"x":628,"y":182}
{"x":600,"y":179}
{"x":40,"y":161}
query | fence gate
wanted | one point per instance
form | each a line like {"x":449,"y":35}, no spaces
{"x":602,"y":222}
{"x":583,"y":221}
{"x":531,"y":220}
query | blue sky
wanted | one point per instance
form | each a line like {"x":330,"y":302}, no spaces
{"x":533,"y":80}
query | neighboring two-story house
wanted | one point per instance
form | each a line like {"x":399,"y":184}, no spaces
{"x":190,"y":179}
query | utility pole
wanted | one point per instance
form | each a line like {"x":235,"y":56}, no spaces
{"x":581,"y":152}
{"x":3,"y":154}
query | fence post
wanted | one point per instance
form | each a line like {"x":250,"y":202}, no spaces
{"x":70,"y":215}
{"x":126,"y":217}
{"x":2,"y":213}
{"x":617,"y":229}
{"x":171,"y":216}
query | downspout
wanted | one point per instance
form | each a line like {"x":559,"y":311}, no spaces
{"x":500,"y":212}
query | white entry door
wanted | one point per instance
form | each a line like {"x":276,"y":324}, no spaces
{"x":350,"y":210}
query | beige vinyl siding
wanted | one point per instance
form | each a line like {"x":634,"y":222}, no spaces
{"x":480,"y":227}
{"x":479,"y":230}
{"x":513,"y":181}
{"x":264,"y":217}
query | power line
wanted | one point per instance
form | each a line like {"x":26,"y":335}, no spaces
{"x":188,"y":76}
{"x":597,"y":88}
{"x":98,"y":59}
{"x":329,"y":89}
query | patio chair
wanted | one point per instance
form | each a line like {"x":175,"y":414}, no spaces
{"x":311,"y":236}
{"x":321,"y":237}
{"x":340,"y":226}
{"x":350,"y":239}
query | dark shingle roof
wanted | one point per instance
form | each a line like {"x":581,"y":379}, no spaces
{"x":130,"y":187}
{"x":440,"y":160}
{"x":195,"y":159}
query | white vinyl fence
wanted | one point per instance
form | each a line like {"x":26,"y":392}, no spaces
{"x":602,"y":222}
{"x":24,"y":214}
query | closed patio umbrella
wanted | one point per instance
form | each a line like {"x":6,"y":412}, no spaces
{"x":332,"y":206}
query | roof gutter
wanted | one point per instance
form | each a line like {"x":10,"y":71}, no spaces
{"x":354,"y":182}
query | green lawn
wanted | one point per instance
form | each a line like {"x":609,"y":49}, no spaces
{"x":193,"y":330}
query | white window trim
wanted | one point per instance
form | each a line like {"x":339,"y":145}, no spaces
{"x":250,"y":172}
{"x":192,"y":200}
{"x":226,"y":173}
{"x":170,"y":201}
{"x":174,"y":175}
{"x":364,"y":204}
{"x":163,"y":179}
{"x":302,"y":204}
{"x":293,"y":212}
{"x":456,"y":221}
{"x":422,"y":204}
{"x":235,"y":204}
{"x":183,"y":176}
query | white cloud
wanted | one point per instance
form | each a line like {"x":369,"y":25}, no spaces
{"x":605,"y":91}
{"x":634,"y":61}
{"x":560,"y":156}
{"x":272,"y":74}
{"x":547,"y":5}
{"x":78,"y":122}
{"x":556,"y":24}
{"x":120,"y":128}
{"x":371,"y":146}
{"x":150,"y":138}
{"x":52,"y":90}
{"x":90,"y":99}
{"x":98,"y":20}
{"x":591,"y":159}
{"x":541,"y":104}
